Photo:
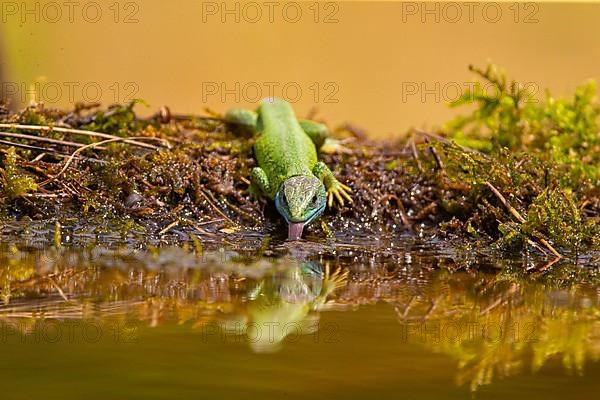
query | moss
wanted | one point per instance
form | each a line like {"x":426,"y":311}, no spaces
{"x":117,"y":119}
{"x":563,"y":132}
{"x":543,"y":156}
{"x":555,"y":215}
{"x":513,"y":170}
{"x":15,"y":184}
{"x":30,"y":117}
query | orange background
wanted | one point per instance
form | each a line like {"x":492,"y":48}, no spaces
{"x":384,"y":66}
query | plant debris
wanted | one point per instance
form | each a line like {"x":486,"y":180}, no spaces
{"x":516,"y":173}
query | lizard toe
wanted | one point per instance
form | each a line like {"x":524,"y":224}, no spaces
{"x":339,"y":198}
{"x":346,"y":196}
{"x":329,"y":199}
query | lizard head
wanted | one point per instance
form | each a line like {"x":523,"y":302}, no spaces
{"x":300,"y":200}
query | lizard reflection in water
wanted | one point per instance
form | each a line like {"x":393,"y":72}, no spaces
{"x":285,"y":303}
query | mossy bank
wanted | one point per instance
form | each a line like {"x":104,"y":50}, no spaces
{"x":517,"y":174}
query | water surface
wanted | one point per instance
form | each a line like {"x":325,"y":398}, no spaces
{"x":393,"y":318}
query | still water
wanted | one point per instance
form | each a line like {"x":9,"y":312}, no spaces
{"x":397,"y":318}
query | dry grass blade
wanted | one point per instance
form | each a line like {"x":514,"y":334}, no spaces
{"x":519,"y":217}
{"x":168,"y":227}
{"x":40,"y":128}
{"x":47,"y":151}
{"x":415,"y":154}
{"x":41,"y":139}
{"x":505,"y":203}
{"x":217,"y":209}
{"x":58,"y":289}
{"x":436,"y":156}
{"x":89,"y":146}
{"x":552,"y":249}
{"x":28,"y":146}
{"x":438,"y":138}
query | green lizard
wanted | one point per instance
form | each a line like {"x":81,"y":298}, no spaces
{"x":288,"y":170}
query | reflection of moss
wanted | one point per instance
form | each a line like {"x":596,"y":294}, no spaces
{"x":498,"y":326}
{"x":283,"y":295}
{"x":552,"y":319}
{"x":15,"y":269}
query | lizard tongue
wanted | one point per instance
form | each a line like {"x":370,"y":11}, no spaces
{"x":295,"y":230}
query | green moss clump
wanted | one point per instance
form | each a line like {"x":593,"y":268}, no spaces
{"x":542,"y":156}
{"x":119,"y":119}
{"x":563,"y":132}
{"x":14,"y":184}
{"x":554,"y":214}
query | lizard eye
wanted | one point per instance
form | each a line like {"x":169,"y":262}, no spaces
{"x":315,"y":199}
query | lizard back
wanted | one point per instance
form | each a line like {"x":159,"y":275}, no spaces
{"x":282,"y":149}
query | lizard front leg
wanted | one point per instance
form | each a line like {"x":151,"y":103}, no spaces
{"x":334,"y":187}
{"x":260,"y":183}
